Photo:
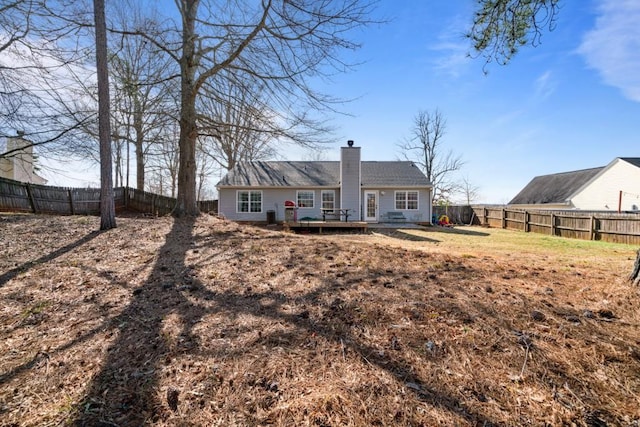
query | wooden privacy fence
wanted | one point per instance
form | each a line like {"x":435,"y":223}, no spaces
{"x":605,"y":226}
{"x":458,"y":214}
{"x":18,"y":196}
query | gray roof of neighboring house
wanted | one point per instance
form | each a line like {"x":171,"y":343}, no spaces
{"x":554,"y":188}
{"x":321,"y":174}
{"x":635,"y":161}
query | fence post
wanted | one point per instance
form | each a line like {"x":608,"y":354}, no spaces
{"x":485,"y":221}
{"x":503,"y":217}
{"x":593,"y":227}
{"x":526,"y":221}
{"x":31,"y":199}
{"x":553,"y":224}
{"x":71,"y":202}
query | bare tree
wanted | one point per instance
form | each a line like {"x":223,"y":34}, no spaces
{"x":278,"y":43}
{"x":469,"y":190}
{"x":206,"y":168}
{"x":140,"y":104}
{"x":236,"y":125}
{"x":141,"y":81}
{"x":107,"y":206}
{"x":37,"y":48}
{"x":163,"y":162}
{"x":424,"y":147}
{"x":17,"y":19}
{"x":501,"y":27}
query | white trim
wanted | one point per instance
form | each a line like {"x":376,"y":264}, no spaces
{"x":322,"y":193}
{"x":406,"y":206}
{"x":249,"y":211}
{"x":313,"y":200}
{"x":376,"y":215}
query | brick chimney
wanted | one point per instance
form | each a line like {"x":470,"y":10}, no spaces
{"x":350,"y":179}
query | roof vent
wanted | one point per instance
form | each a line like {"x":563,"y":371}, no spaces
{"x":350,"y":143}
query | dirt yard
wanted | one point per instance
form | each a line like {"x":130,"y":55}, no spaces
{"x":209,"y":323}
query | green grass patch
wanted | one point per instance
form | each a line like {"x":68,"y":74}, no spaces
{"x":493,"y":240}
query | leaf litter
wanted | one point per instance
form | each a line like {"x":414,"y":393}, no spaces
{"x":208,"y":322}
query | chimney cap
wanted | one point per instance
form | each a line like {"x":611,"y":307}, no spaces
{"x":19,"y":132}
{"x":350,"y":143}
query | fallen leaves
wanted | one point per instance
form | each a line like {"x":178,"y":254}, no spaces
{"x":164,"y":322}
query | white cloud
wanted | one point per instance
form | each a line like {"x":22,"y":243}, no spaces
{"x":455,"y":58}
{"x":452,"y":48}
{"x":545,"y":85}
{"x":612,"y":46}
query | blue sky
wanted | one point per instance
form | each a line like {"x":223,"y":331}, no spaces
{"x":571,"y":103}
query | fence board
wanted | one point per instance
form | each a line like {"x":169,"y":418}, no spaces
{"x":209,"y":206}
{"x":16,"y":196}
{"x":458,"y":214}
{"x":605,"y":226}
{"x":143,"y":201}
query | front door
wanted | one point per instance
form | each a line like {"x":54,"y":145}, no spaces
{"x":371,"y":206}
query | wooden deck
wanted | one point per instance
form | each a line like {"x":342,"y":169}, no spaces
{"x":320,"y":225}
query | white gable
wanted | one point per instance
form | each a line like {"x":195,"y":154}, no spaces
{"x":603,"y":191}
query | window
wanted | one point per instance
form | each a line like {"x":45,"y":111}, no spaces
{"x":305,"y":199}
{"x":249,"y":201}
{"x":407,"y":200}
{"x":328,"y":199}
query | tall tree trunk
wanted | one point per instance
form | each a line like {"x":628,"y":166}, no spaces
{"x":118,"y":163}
{"x":107,"y":206}
{"x":186,"y":201}
{"x":128,"y":163}
{"x":174,"y":177}
{"x":137,"y":125}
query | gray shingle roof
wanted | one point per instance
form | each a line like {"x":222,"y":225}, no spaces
{"x":392,"y":174}
{"x":321,"y":174}
{"x":635,"y":161}
{"x":554,"y":188}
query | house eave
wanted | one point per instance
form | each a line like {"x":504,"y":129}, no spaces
{"x":316,"y":187}
{"x":388,"y":187}
{"x":278,"y":187}
{"x":548,"y":205}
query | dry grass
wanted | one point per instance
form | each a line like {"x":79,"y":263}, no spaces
{"x":207,"y":322}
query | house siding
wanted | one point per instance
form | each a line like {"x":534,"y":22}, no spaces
{"x":387,"y":203}
{"x":604,"y":191}
{"x":272,"y":200}
{"x":19,"y":165}
{"x":350,"y":178}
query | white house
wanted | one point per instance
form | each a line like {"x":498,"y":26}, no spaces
{"x":18,"y":161}
{"x":366,"y":190}
{"x":615,"y":187}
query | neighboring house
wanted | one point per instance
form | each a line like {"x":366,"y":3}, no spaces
{"x":19,"y":161}
{"x":369,"y":190}
{"x":613,"y":187}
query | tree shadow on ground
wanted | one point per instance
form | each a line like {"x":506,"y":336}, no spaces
{"x":11,"y":274}
{"x":397,"y":233}
{"x":126,"y":391}
{"x":457,"y":230}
